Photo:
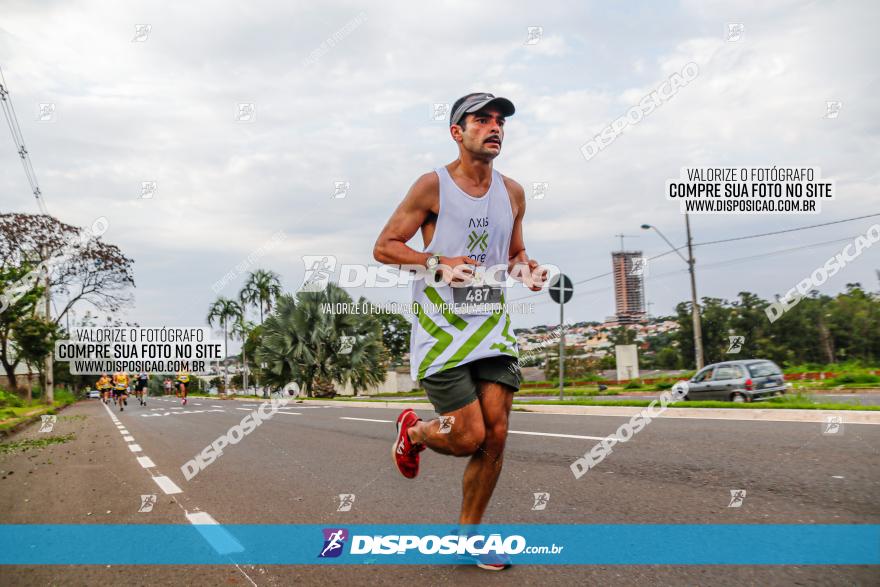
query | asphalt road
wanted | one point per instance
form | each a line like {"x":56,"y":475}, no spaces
{"x":293,"y":467}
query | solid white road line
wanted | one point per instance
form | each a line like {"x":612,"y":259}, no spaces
{"x":146,"y":462}
{"x":553,"y":434}
{"x":556,"y":435}
{"x":289,"y":413}
{"x":167,"y":485}
{"x":134,"y":447}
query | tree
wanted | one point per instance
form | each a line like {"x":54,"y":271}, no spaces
{"x":224,"y":312}
{"x":241,"y":329}
{"x":260,"y":289}
{"x":249,"y":347}
{"x":395,"y":335}
{"x":622,"y":335}
{"x":78,"y":266}
{"x":81,"y":267}
{"x":36,"y":340}
{"x":303,"y":343}
{"x":12,"y":310}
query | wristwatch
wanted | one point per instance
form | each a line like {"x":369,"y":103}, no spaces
{"x":432,"y":263}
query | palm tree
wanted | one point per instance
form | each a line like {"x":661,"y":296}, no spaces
{"x":302,"y":343}
{"x":241,"y":328}
{"x":260,"y":289}
{"x":222,"y":312}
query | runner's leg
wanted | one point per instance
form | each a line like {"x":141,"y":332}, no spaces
{"x":484,"y":468}
{"x":466,"y":432}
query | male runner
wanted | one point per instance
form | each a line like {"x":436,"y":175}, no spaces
{"x":182,"y":381}
{"x":104,"y":386}
{"x":465,"y":358}
{"x":120,"y":388}
{"x":167,"y":385}
{"x":140,"y":387}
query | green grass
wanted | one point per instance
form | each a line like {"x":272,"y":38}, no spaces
{"x":23,"y":445}
{"x":795,"y":402}
{"x":12,"y":415}
{"x":414,"y":393}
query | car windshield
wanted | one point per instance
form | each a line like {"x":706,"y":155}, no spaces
{"x":764,"y":369}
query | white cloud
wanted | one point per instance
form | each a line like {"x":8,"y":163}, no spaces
{"x":163,"y":110}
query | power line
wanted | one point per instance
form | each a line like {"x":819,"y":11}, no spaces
{"x":606,"y":274}
{"x":18,"y":139}
{"x":739,"y":238}
{"x":716,"y":264}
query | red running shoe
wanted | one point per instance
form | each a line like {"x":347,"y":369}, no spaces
{"x":404,"y":451}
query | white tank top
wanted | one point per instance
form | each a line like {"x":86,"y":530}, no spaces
{"x":478,"y":227}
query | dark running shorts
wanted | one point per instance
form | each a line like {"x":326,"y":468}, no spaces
{"x":455,"y":388}
{"x":140,"y":385}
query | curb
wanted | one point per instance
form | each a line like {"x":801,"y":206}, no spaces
{"x":6,"y":433}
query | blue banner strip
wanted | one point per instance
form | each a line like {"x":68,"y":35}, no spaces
{"x":586,"y":544}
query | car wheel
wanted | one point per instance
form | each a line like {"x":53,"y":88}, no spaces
{"x":738,"y":398}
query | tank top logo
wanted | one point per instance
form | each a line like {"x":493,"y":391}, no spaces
{"x":478,"y":240}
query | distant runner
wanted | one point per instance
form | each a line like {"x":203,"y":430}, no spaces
{"x":120,"y":389}
{"x":182,"y":382}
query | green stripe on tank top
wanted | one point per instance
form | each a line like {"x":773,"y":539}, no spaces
{"x":506,"y":334}
{"x":472,"y":342}
{"x":435,"y":298}
{"x":444,"y":339}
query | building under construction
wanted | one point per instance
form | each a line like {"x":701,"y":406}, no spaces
{"x":628,"y":268}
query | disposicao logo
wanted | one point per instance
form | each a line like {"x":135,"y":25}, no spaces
{"x":334,"y":540}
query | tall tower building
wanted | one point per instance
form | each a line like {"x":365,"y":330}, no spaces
{"x":629,"y":287}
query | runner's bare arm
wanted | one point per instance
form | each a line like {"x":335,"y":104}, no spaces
{"x":421,"y":200}
{"x":517,"y":254}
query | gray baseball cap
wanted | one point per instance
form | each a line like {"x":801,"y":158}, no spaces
{"x":476,"y":102}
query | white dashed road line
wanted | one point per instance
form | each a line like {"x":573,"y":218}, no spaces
{"x":134,"y":447}
{"x":146,"y":462}
{"x":167,"y":485}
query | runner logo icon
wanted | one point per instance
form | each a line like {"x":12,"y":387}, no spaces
{"x":334,"y":540}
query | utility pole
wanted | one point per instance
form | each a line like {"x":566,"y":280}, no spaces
{"x":48,"y":377}
{"x":695,"y":314}
{"x":695,"y":307}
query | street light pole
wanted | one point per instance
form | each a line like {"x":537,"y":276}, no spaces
{"x":695,"y":308}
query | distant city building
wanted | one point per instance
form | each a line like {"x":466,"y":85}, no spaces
{"x":629,"y":286}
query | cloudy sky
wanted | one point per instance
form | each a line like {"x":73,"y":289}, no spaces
{"x":161,"y":106}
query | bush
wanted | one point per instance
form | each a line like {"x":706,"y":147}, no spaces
{"x":63,"y":396}
{"x":10,"y":400}
{"x":633,"y":385}
{"x":664,"y":385}
{"x":857,"y":378}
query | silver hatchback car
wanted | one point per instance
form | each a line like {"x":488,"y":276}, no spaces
{"x":737,"y":381}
